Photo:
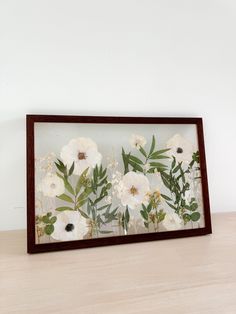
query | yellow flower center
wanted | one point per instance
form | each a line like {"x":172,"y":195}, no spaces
{"x":81,"y":156}
{"x":133,"y":190}
{"x":157,"y":194}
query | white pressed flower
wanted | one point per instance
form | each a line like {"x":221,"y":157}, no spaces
{"x":180,"y":148}
{"x":51,"y":185}
{"x":83,"y":152}
{"x":172,"y":222}
{"x":133,"y":189}
{"x":46,"y":162}
{"x":137,"y":141}
{"x":70,"y":225}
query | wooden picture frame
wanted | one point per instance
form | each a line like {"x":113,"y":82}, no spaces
{"x":45,"y":131}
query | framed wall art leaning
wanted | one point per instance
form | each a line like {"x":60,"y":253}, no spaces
{"x":94,"y":181}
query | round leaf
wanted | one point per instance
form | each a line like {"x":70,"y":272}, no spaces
{"x":195,"y":216}
{"x":49,"y":229}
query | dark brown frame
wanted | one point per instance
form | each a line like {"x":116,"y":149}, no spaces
{"x":32,"y":247}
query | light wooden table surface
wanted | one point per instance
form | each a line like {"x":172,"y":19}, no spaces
{"x":191,"y":275}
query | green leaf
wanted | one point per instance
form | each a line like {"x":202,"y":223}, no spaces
{"x":146,"y":224}
{"x":127,"y":216}
{"x":157,"y":153}
{"x":182,"y":175}
{"x":46,"y":219}
{"x":172,"y":206}
{"x":59,"y":175}
{"x":186,"y":218}
{"x":71,"y":169}
{"x":165,"y":175}
{"x":157,"y":165}
{"x":80,"y":181}
{"x":103,"y":173}
{"x":66,"y":198}
{"x":135,"y":159}
{"x":165,"y":181}
{"x":68,"y":186}
{"x":161,"y":157}
{"x":53,"y":219}
{"x":193,"y":206}
{"x":144,"y":207}
{"x":84,"y":194}
{"x":89,"y":208}
{"x":61,"y":163}
{"x":59,"y":167}
{"x":83,"y":214}
{"x":105,"y":231}
{"x":98,"y":199}
{"x":152,"y":145}
{"x":144,"y":214}
{"x":177,"y":167}
{"x":196,"y":157}
{"x":149,"y":207}
{"x":136,"y":166}
{"x":81,"y":203}
{"x":173,"y":162}
{"x":125,"y":161}
{"x":108,"y":186}
{"x":195,"y":216}
{"x":103,"y":207}
{"x":142,"y":151}
{"x":63,"y":208}
{"x":167,"y":198}
{"x":49,"y":229}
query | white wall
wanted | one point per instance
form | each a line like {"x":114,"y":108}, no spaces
{"x":152,"y":58}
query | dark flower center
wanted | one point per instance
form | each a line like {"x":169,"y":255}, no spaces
{"x":81,"y":156}
{"x":179,"y":150}
{"x":133,"y":190}
{"x":69,"y":227}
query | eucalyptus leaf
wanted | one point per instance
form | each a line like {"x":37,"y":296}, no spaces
{"x":48,"y":229}
{"x":45,"y":219}
{"x":53,"y":219}
{"x":195,"y":216}
{"x":193,"y":206}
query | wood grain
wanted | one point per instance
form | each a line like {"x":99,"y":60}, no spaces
{"x":189,"y":275}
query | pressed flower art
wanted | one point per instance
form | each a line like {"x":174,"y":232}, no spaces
{"x":99,"y":181}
